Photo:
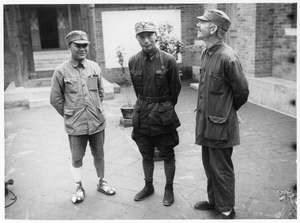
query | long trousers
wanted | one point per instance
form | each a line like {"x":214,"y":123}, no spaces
{"x":219,"y":171}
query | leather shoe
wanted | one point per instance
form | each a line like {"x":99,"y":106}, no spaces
{"x":204,"y":205}
{"x":145,"y":192}
{"x":223,"y":216}
{"x":168,"y":197}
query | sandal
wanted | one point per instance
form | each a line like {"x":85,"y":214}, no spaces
{"x":103,"y":188}
{"x":78,"y":196}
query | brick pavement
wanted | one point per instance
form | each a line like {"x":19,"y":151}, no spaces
{"x":37,"y":157}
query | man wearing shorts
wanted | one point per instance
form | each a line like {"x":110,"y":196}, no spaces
{"x":77,"y":94}
{"x":156,"y":81}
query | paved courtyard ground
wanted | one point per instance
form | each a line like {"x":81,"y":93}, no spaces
{"x":37,"y":157}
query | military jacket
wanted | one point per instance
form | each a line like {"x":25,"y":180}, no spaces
{"x":76,"y":94}
{"x":155,"y":76}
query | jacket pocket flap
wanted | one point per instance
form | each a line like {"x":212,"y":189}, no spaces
{"x":137,"y":72}
{"x":217,"y":120}
{"x":162,"y":72}
{"x":163,"y":107}
{"x":70,"y":80}
{"x":68,"y":112}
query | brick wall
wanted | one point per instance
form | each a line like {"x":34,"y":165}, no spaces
{"x":246,"y":20}
{"x":285,"y":47}
{"x":188,"y":32}
{"x":264,"y":39}
{"x":262,"y":46}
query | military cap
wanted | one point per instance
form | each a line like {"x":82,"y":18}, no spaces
{"x":217,"y":17}
{"x":144,"y":27}
{"x":77,"y":36}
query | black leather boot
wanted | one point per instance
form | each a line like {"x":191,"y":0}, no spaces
{"x":169,"y":195}
{"x":145,"y":192}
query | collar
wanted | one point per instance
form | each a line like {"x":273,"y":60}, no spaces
{"x":75,"y":63}
{"x":151,"y":54}
{"x":210,"y":51}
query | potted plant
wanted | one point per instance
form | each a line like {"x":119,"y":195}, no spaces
{"x":196,"y":49}
{"x":126,"y":109}
{"x":166,"y":41}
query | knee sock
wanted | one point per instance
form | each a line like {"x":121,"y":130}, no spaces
{"x":148,"y":166}
{"x":170,"y":168}
{"x":76,"y":173}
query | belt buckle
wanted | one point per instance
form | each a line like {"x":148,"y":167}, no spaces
{"x":148,"y":99}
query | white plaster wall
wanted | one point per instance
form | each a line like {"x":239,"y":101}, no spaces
{"x":118,"y":29}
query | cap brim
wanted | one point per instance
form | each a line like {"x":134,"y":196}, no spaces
{"x":145,"y":31}
{"x":202,"y":18}
{"x":81,"y":41}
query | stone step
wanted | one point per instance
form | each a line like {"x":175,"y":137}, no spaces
{"x":37,"y":103}
{"x":48,"y":60}
{"x":117,"y":88}
{"x":36,"y":94}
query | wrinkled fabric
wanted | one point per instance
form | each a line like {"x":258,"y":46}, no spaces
{"x":220,"y":175}
{"x":223,"y":89}
{"x":155,"y":75}
{"x":76,"y":94}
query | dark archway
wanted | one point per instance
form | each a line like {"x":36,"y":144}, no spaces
{"x":48,"y":27}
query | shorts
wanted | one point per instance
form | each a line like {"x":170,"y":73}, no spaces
{"x":78,"y":145}
{"x":165,"y":143}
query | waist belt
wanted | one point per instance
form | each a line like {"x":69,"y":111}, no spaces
{"x":154,"y":99}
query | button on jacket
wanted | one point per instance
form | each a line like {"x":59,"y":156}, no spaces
{"x":155,"y":76}
{"x":76,"y":94}
{"x":223,"y":89}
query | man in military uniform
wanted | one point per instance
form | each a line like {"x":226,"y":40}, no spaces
{"x":156,"y":82}
{"x":77,"y":93}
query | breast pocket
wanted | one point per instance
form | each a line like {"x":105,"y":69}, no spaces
{"x":216,"y":83}
{"x":161,"y":77}
{"x":71,"y":85}
{"x":137,"y":78}
{"x":92,"y":83}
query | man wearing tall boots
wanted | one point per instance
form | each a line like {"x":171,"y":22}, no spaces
{"x":155,"y":77}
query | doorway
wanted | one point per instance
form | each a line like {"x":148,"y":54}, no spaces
{"x":48,"y":28}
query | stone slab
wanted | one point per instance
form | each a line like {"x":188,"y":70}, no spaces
{"x":117,"y":88}
{"x":37,"y":103}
